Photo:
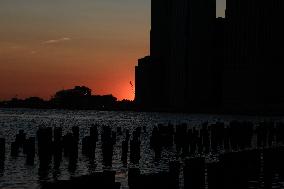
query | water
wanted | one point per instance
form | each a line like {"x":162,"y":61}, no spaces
{"x":17,"y":174}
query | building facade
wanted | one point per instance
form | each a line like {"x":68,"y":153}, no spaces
{"x":199,"y":62}
{"x":254,"y":54}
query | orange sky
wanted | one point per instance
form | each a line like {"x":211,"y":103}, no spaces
{"x":46,"y":46}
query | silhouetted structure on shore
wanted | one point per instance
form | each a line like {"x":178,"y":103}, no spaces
{"x":80,"y":97}
{"x":199,"y":62}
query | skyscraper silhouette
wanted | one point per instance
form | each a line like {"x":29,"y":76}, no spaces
{"x":200,"y":62}
{"x":254,"y":54}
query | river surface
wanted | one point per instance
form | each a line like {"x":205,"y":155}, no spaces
{"x":16,"y":174}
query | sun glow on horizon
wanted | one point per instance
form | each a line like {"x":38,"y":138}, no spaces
{"x":91,"y":43}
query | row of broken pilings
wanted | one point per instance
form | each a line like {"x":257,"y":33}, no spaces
{"x":241,"y":161}
{"x":216,"y":137}
{"x":108,"y":140}
{"x":246,"y":169}
{"x":249,"y":169}
{"x":52,"y":146}
{"x":236,"y":170}
{"x":188,"y":141}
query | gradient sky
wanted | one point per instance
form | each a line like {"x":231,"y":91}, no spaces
{"x":49,"y":45}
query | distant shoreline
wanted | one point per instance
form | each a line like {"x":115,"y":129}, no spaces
{"x":135,"y":109}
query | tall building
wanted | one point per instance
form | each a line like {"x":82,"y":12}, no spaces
{"x":188,"y":69}
{"x":200,"y":62}
{"x":149,"y":84}
{"x":150,"y":73}
{"x":254,"y":56}
{"x":181,"y":33}
{"x":160,"y":28}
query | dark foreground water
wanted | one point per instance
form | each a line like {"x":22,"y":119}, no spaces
{"x":16,"y":174}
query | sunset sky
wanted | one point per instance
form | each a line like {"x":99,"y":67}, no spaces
{"x":46,"y":46}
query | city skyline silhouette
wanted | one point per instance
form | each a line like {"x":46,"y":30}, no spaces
{"x":198,"y":62}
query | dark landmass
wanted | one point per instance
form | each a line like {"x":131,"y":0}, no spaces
{"x":81,"y":98}
{"x":78,"y":98}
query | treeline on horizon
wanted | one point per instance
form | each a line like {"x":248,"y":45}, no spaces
{"x":80,"y":97}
